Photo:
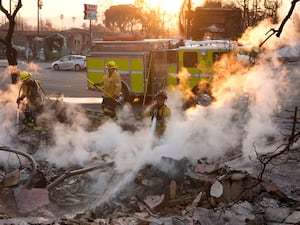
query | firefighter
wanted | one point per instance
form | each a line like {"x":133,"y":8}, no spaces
{"x":30,"y":91}
{"x":111,"y":89}
{"x":160,"y":111}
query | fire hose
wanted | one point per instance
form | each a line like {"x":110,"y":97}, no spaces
{"x":101,"y":89}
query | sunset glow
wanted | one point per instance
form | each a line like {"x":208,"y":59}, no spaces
{"x":53,"y":9}
{"x":170,"y":7}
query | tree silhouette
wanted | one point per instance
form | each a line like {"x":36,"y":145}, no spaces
{"x":121,"y":17}
{"x":280,"y":29}
{"x":185,"y":17}
{"x":136,"y":19}
{"x":11,"y":52}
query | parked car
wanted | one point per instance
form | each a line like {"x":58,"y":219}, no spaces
{"x":70,"y":62}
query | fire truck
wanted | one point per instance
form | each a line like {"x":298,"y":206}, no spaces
{"x":149,"y":65}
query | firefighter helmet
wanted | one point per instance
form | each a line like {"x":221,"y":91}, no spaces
{"x":24,"y":75}
{"x":161,"y":94}
{"x":111,"y":65}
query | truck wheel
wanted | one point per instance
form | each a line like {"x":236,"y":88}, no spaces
{"x":204,"y":99}
{"x":124,"y":95}
{"x":202,"y":94}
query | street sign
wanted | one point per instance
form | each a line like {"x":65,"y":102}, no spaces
{"x":90,"y":15}
{"x":90,"y":12}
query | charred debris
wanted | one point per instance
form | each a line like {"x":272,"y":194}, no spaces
{"x":232,"y":190}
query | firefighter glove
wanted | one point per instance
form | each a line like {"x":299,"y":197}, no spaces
{"x":155,"y":111}
{"x":19,"y":100}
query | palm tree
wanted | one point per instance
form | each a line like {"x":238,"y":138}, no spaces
{"x":185,"y":18}
{"x":62,"y":18}
{"x":74,"y":18}
{"x":39,"y":4}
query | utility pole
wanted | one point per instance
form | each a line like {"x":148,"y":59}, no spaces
{"x":38,"y":18}
{"x":90,"y":13}
{"x":39,"y":7}
{"x":90,"y":32}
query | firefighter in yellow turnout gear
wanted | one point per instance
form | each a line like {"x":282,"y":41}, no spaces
{"x":160,"y":110}
{"x":111,"y":89}
{"x":31,"y":91}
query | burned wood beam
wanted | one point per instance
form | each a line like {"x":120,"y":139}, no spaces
{"x":78,"y":172}
{"x":147,"y":207}
{"x":294,"y":126}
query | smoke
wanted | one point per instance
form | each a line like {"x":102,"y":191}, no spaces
{"x":7,"y":120}
{"x":8,"y":107}
{"x":289,"y":36}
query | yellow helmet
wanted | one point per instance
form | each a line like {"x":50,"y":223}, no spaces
{"x":24,"y":75}
{"x":111,"y":64}
{"x":161,"y":94}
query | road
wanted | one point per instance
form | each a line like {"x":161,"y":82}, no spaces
{"x":70,"y":84}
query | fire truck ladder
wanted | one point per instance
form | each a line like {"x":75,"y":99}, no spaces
{"x":147,"y":78}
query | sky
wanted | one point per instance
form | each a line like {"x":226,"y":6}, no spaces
{"x":53,"y":9}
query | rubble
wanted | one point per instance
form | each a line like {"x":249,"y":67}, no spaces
{"x":227,"y":191}
{"x":203,"y":193}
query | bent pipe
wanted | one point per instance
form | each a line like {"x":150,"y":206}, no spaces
{"x":26,"y":155}
{"x":77,"y":172}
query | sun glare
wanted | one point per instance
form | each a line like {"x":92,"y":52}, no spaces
{"x":170,"y":7}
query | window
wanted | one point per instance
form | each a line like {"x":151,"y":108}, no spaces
{"x":190,"y":59}
{"x":171,"y":57}
{"x":66,"y":58}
